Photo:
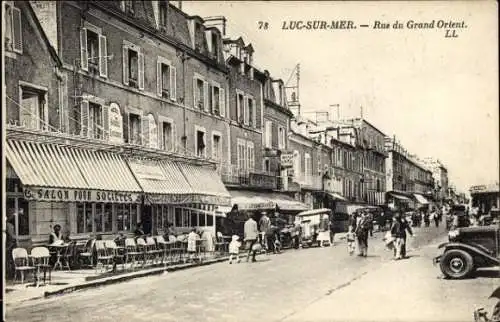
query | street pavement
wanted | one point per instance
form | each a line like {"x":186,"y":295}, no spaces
{"x":310,"y":284}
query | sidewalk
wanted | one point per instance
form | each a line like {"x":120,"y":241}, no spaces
{"x":64,"y":282}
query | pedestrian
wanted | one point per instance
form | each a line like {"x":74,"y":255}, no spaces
{"x":332,"y":231}
{"x":10,"y":243}
{"x":435,"y":216}
{"x":398,"y":231}
{"x":427,"y":220}
{"x":251,"y":236}
{"x":234,"y":249}
{"x":191,"y":243}
{"x":138,"y":232}
{"x":266,"y":233}
{"x":55,"y":236}
{"x":361,"y":232}
{"x":351,"y":241}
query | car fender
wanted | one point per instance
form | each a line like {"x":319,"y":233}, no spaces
{"x":473,"y":250}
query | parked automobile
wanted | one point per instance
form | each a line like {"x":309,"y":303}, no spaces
{"x":469,"y":248}
{"x":458,"y":211}
{"x":480,"y":315}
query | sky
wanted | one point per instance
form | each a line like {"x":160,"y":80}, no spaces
{"x":437,"y":95}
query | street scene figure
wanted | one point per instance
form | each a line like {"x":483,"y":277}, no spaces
{"x":361,"y":230}
{"x":251,"y":237}
{"x":398,"y":231}
{"x":234,"y":249}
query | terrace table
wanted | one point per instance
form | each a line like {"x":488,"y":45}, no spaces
{"x":58,"y":248}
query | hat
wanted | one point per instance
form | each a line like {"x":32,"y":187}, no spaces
{"x":56,"y":226}
{"x":235,"y":238}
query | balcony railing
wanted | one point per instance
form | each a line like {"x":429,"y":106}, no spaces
{"x":313,"y":182}
{"x":233,"y":175}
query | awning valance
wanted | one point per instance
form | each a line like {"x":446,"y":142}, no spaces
{"x":206,"y":182}
{"x":252,"y":200}
{"x":420,"y":199}
{"x":398,"y":196}
{"x":336,"y":196}
{"x":52,"y":172}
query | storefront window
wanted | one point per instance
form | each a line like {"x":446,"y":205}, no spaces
{"x":202,"y":219}
{"x":108,"y":217}
{"x":178,"y":217}
{"x":185,"y":218}
{"x":124,"y":216}
{"x":194,"y":219}
{"x":83,"y":218}
{"x":17,"y":205}
{"x":98,"y":218}
{"x":210,"y":220}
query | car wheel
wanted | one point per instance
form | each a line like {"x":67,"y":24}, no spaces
{"x":456,"y":264}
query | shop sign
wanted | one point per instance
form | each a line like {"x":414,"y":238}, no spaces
{"x":263,"y":181}
{"x":478,"y":188}
{"x":115,"y":124}
{"x":79,"y":195}
{"x":286,"y":160}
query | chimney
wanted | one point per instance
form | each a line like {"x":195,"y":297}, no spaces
{"x":46,"y":12}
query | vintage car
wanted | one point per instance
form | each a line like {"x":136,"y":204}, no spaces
{"x":469,"y":248}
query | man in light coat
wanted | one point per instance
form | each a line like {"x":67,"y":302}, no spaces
{"x":251,"y":236}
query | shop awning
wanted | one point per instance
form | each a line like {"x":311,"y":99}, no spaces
{"x":206,"y":183}
{"x":252,"y":200}
{"x":400,"y":197}
{"x":51,"y":172}
{"x":336,"y":196}
{"x":420,"y":199}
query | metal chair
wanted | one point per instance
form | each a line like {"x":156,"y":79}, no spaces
{"x":220,"y":244}
{"x":163,"y":247}
{"x":114,"y":250}
{"x":104,"y":257}
{"x":142,"y":248}
{"x":40,"y":258}
{"x":152,"y":250}
{"x":21,"y":262}
{"x":69,"y":255}
{"x":88,"y":253}
{"x":131,"y":252}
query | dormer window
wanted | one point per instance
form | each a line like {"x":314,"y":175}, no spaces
{"x":163,"y":14}
{"x":128,"y":6}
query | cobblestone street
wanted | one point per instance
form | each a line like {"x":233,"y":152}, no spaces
{"x":277,"y":287}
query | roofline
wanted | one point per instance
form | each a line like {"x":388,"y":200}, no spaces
{"x":51,"y":49}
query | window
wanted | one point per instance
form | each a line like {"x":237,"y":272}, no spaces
{"x":215,"y":46}
{"x":133,"y":66}
{"x":93,"y":50}
{"x":166,"y":79}
{"x":267,"y":165}
{"x":103,"y":217}
{"x":251,"y":112}
{"x":163,"y":14}
{"x":13,"y":29}
{"x":246,"y":112}
{"x":95,"y":121}
{"x":216,"y":147}
{"x":241,"y":154}
{"x":128,"y":6}
{"x":281,"y":138}
{"x":200,"y":94}
{"x":296,"y":164}
{"x":250,"y":156}
{"x":215,"y":102}
{"x":240,"y":107}
{"x":125,"y":216}
{"x":200,"y":142}
{"x":268,"y":134}
{"x":134,"y":130}
{"x":84,"y":218}
{"x":307,"y":166}
{"x":17,"y":204}
{"x":167,"y":136}
{"x":33,"y":110}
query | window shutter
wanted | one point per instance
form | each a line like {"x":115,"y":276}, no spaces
{"x":125,"y":64}
{"x":84,"y":118}
{"x":173,"y":83}
{"x":222,"y":104}
{"x":159,"y":130}
{"x":84,"y":59}
{"x":126,"y":127}
{"x":208,"y":34}
{"x":105,"y":122}
{"x":158,"y":78}
{"x":141,"y":70}
{"x":245,"y":111}
{"x":212,"y":101}
{"x":254,"y":113}
{"x":17,"y":42}
{"x":213,"y":147}
{"x":103,"y":59}
{"x":205,"y":93}
{"x":173,"y":144}
{"x":195,"y":91}
{"x":145,"y":131}
{"x":238,"y":108}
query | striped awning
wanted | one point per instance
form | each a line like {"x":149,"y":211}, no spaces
{"x":206,"y":183}
{"x":52,"y":172}
{"x":421,"y":199}
{"x":252,"y":200}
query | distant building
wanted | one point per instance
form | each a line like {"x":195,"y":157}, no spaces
{"x":485,"y":197}
{"x":440,"y":175}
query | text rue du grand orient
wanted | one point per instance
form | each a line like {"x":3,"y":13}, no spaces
{"x":449,"y":28}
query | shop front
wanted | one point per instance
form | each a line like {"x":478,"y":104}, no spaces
{"x":398,"y":202}
{"x":88,"y":192}
{"x":178,"y":195}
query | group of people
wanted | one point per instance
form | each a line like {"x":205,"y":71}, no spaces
{"x":361,"y":225}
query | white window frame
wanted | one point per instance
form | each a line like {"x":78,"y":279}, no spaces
{"x":248,"y":99}
{"x":212,"y":102}
{"x":240,"y":110}
{"x":216,"y":149}
{"x":281,"y":137}
{"x":206,"y":105}
{"x":172,"y":91}
{"x":14,"y":11}
{"x":45,"y":119}
{"x":250,"y":155}
{"x":246,"y":111}
{"x":161,"y":120}
{"x":102,"y":49}
{"x":139,"y":113}
{"x":241,"y":159}
{"x":196,"y":130}
{"x":127,"y":45}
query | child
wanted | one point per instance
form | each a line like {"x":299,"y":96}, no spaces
{"x":191,"y":246}
{"x":234,"y":249}
{"x":351,"y":239}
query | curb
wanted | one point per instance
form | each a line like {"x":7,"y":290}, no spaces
{"x":119,"y":279}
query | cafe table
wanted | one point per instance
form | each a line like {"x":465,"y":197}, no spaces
{"x":58,"y":248}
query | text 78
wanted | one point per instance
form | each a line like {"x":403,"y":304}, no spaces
{"x":263,"y":25}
